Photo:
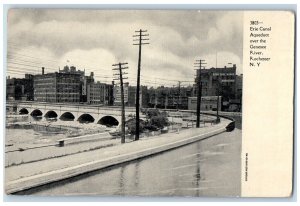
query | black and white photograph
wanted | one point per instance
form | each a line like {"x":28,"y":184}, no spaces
{"x":124,"y":102}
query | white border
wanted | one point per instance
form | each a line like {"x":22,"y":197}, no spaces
{"x":164,"y":4}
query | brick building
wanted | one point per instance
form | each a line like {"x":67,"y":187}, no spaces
{"x":239,"y":87}
{"x":20,"y":88}
{"x":170,"y":97}
{"x":62,"y":86}
{"x":130,"y":95}
{"x":65,"y":86}
{"x":99,"y":93}
{"x":217,"y":81}
{"x":85,"y":82}
{"x":144,"y":97}
{"x":117,"y":93}
{"x":208,"y":103}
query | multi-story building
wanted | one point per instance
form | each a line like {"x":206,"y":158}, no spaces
{"x":170,"y":97}
{"x":62,"y":86}
{"x":117,"y":94}
{"x":85,"y":82}
{"x":99,"y":93}
{"x":95,"y":93}
{"x":130,"y":95}
{"x":109,"y":94}
{"x":239,"y":87}
{"x":236,"y":104}
{"x":20,"y":88}
{"x":143,"y":96}
{"x":207,"y":103}
{"x":217,"y":81}
{"x":67,"y":85}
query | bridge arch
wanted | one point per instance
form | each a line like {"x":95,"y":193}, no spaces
{"x":86,"y":118}
{"x":23,"y":111}
{"x":36,"y":113}
{"x":67,"y":116}
{"x":108,"y":121}
{"x":51,"y":114}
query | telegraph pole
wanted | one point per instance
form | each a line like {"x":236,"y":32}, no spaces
{"x":218,"y":89}
{"x":179,"y":95}
{"x":120,"y":67}
{"x":199,"y":64}
{"x":166,"y":99}
{"x":141,"y":41}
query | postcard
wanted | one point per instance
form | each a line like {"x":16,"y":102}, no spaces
{"x":168,"y":103}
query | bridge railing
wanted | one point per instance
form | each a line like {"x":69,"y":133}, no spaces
{"x":73,"y":107}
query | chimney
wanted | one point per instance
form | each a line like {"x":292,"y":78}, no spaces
{"x":43,"y":70}
{"x":92,"y":74}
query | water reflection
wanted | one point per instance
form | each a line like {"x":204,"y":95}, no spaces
{"x":198,"y":175}
{"x":121,"y":181}
{"x":136,"y":175}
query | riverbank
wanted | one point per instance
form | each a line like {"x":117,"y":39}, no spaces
{"x":33,"y":174}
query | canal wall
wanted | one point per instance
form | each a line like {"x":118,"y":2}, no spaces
{"x":84,"y":138}
{"x":64,"y":173}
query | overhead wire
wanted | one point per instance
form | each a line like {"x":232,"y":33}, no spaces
{"x":22,"y":60}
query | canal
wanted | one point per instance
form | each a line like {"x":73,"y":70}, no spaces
{"x":210,"y":167}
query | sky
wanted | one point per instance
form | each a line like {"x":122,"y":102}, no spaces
{"x":95,"y":39}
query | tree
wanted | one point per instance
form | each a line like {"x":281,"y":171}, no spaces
{"x":132,"y":126}
{"x":151,"y":113}
{"x":159,"y":121}
{"x":156,"y":119}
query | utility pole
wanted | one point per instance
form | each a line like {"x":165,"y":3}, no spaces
{"x":120,"y":67}
{"x":166,"y":98}
{"x":179,"y":95}
{"x":46,"y":95}
{"x":199,"y":64}
{"x":141,"y":41}
{"x":218,"y":89}
{"x":173,"y":96}
{"x":155,"y":95}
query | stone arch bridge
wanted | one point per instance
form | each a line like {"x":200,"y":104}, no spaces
{"x":69,"y":112}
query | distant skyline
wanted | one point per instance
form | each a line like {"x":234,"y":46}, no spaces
{"x":95,"y":39}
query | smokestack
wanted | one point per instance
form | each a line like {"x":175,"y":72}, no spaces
{"x":43,"y":70}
